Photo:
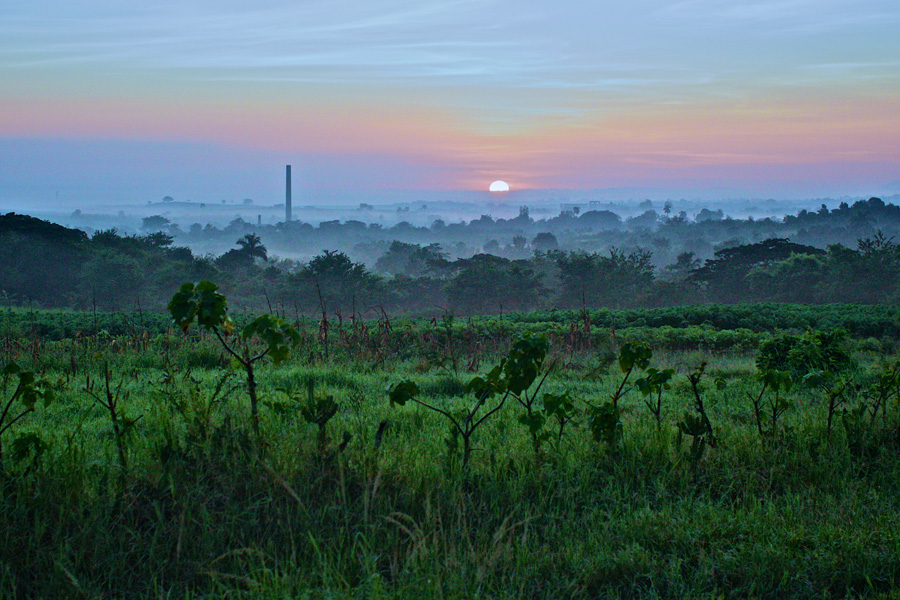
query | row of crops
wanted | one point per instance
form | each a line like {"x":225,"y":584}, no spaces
{"x":713,"y":327}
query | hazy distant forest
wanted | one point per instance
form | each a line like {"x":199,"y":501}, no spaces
{"x":591,"y":259}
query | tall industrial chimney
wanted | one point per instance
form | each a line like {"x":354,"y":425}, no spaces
{"x":287,"y":195}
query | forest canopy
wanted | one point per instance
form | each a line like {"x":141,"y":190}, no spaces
{"x":50,"y":265}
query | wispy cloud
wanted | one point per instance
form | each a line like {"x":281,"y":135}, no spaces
{"x":784,"y":16}
{"x":486,"y":80}
{"x":319,"y":41}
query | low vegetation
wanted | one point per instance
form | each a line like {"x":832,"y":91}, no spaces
{"x":707,"y":451}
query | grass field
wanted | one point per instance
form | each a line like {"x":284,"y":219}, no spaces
{"x":174,"y":495}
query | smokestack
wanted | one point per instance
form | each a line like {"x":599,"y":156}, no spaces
{"x":287,"y":195}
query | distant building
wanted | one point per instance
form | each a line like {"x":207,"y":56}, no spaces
{"x":287,"y":194}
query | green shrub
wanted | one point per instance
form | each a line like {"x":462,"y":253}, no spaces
{"x":802,"y":354}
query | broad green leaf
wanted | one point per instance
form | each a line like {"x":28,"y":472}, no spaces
{"x":634,"y":355}
{"x":11,"y":369}
{"x":320,"y":411}
{"x":278,"y":335}
{"x":604,"y":423}
{"x":776,"y":380}
{"x":534,"y":422}
{"x":655,"y":381}
{"x":201,"y":303}
{"x":524,"y":361}
{"x":559,"y":405}
{"x":692,"y":425}
{"x":403,"y":392}
{"x":29,"y":444}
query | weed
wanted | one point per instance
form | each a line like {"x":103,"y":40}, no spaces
{"x":30,"y":389}
{"x":768,"y":408}
{"x":205,"y":305}
{"x":604,"y":420}
{"x":512,"y":376}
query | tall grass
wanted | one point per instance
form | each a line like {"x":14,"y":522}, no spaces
{"x":207,"y":510}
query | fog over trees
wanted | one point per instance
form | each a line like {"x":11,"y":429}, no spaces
{"x":593,"y":259}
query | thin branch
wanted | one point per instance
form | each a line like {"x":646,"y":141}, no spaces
{"x":11,"y":423}
{"x":618,"y":395}
{"x":489,"y":413}
{"x":259,"y":356}
{"x":443,"y":412}
{"x":10,"y":403}
{"x":215,"y":330}
{"x":544,"y":378}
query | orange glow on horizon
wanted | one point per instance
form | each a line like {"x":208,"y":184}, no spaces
{"x":622,"y":147}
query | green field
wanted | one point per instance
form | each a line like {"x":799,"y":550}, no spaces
{"x":174,"y":493}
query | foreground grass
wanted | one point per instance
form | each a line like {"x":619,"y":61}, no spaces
{"x":206,"y":510}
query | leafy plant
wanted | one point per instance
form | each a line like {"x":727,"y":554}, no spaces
{"x":604,"y":420}
{"x":120,"y":423}
{"x":605,"y":423}
{"x":812,"y":351}
{"x":318,"y":411}
{"x":524,"y":364}
{"x":203,"y":304}
{"x":512,"y":376}
{"x":885,"y":387}
{"x":768,"y":409}
{"x":30,"y":389}
{"x":444,"y":356}
{"x":859,"y":420}
{"x":652,"y":386}
{"x":29,"y":444}
{"x":836,"y":389}
{"x":692,"y":425}
{"x":561,"y":409}
{"x":633,"y":355}
{"x":698,"y":425}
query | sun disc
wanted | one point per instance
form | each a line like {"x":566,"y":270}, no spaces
{"x":499,"y":186}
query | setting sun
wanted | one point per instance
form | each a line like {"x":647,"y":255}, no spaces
{"x":499,"y":186}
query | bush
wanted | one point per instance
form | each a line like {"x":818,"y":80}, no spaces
{"x":802,"y":354}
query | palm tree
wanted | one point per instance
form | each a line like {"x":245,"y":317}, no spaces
{"x":252,"y":246}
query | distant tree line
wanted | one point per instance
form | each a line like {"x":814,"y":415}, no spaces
{"x":52,"y":266}
{"x":664,"y":232}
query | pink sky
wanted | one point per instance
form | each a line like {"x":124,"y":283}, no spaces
{"x":788,"y":97}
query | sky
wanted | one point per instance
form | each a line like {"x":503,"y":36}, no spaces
{"x":109,"y":101}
